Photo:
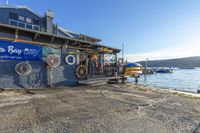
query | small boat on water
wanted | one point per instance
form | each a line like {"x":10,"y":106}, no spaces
{"x":187,"y":67}
{"x":164,"y":70}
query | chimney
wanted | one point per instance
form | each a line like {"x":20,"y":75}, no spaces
{"x":48,"y":21}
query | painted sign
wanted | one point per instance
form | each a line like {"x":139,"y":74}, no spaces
{"x":19,"y":51}
{"x":109,"y":58}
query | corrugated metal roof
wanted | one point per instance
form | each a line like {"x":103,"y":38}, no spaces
{"x":63,"y":30}
{"x":20,"y":7}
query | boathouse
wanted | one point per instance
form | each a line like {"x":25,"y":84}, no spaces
{"x":36,"y":52}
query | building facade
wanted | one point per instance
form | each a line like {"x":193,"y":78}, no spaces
{"x":23,"y":17}
{"x":62,"y":56}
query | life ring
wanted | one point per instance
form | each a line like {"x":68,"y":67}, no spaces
{"x":53,"y":60}
{"x":23,"y":68}
{"x":73,"y":61}
{"x":81,"y":71}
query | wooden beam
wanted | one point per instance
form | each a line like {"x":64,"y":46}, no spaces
{"x":49,"y":35}
{"x":52,"y":38}
{"x":80,"y":46}
{"x":16,"y":34}
{"x":46,"y":44}
{"x":36,"y":35}
{"x":30,"y":42}
{"x":75,"y":42}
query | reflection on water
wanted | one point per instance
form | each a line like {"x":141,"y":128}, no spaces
{"x":186,"y":80}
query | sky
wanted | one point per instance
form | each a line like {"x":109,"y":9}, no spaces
{"x":153,"y":29}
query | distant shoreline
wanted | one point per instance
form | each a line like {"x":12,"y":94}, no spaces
{"x":178,"y":62}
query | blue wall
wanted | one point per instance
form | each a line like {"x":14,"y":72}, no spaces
{"x":64,"y":75}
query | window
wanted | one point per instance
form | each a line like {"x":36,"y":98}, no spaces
{"x":36,"y":22}
{"x":14,"y":23}
{"x":21,"y":25}
{"x":28,"y":26}
{"x":21,"y":18}
{"x":13,"y":15}
{"x":28,"y":20}
{"x":36,"y":28}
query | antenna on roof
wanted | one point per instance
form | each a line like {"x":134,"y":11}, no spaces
{"x":6,"y":2}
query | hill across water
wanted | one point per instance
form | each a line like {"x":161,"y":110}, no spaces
{"x":180,"y":62}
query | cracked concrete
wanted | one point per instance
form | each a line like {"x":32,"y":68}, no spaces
{"x":99,"y":108}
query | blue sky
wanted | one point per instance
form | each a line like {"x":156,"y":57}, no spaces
{"x":154,"y":29}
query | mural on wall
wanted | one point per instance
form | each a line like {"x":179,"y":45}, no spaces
{"x":20,"y":51}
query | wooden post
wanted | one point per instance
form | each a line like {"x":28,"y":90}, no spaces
{"x":123,"y":79}
{"x":49,"y":76}
{"x":87,"y":64}
{"x":136,"y":79}
{"x":116,"y":63}
{"x":103,"y":65}
{"x":16,"y":35}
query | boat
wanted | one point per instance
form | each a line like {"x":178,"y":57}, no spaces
{"x":133,"y":69}
{"x":187,"y":67}
{"x":164,"y":70}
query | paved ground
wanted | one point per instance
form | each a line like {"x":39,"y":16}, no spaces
{"x":99,"y":108}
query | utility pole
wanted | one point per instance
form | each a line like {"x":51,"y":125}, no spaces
{"x":6,"y":2}
{"x":145,"y":69}
{"x":146,"y":62}
{"x":146,"y":65}
{"x":122,"y":53}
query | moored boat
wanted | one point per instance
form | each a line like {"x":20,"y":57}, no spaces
{"x":164,"y":70}
{"x":187,"y":67}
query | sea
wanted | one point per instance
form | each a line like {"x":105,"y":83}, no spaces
{"x":181,"y":79}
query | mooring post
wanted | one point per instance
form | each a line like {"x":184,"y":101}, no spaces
{"x":49,"y":76}
{"x":136,"y":79}
{"x":123,"y":79}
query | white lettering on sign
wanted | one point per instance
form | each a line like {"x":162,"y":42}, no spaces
{"x":2,"y":50}
{"x":30,"y":51}
{"x":12,"y":50}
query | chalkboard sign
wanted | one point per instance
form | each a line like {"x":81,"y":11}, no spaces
{"x":20,"y":51}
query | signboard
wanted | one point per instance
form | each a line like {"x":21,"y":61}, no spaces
{"x":19,"y":51}
{"x":109,"y":58}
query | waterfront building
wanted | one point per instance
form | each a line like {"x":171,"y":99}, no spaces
{"x":36,"y":52}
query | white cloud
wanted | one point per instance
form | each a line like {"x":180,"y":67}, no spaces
{"x":184,"y":45}
{"x":173,"y":52}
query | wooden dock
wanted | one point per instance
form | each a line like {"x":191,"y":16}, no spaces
{"x":113,"y":80}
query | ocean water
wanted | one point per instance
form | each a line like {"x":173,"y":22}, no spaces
{"x":181,"y":79}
